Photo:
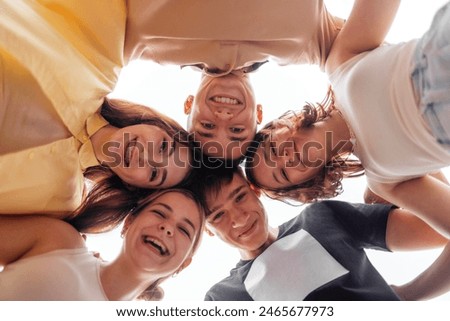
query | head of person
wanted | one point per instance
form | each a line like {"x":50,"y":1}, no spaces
{"x":149,"y":150}
{"x":223,"y":115}
{"x":234,"y":212}
{"x":291,"y":157}
{"x":161,"y":235}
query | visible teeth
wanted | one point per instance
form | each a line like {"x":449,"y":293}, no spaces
{"x":225,"y":100}
{"x":155,"y":243}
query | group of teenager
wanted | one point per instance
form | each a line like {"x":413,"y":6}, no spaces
{"x":73,"y":161}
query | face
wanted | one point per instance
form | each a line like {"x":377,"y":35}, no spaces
{"x":238,"y":217}
{"x":223,"y":116}
{"x":162,"y":235}
{"x":146,"y":156}
{"x":289,"y":157}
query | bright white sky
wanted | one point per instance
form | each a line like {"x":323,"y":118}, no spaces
{"x":278,"y":89}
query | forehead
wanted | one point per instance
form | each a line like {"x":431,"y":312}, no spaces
{"x":179,"y":205}
{"x":225,"y":188}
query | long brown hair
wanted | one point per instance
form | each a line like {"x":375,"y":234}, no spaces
{"x":154,"y":292}
{"x":327,"y":183}
{"x":109,"y":199}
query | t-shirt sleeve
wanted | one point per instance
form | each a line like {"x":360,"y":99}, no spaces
{"x":366,"y":224}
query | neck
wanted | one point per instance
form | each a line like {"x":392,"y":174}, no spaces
{"x":341,"y":131}
{"x":121,"y":282}
{"x":253,"y":254}
{"x":99,"y":139}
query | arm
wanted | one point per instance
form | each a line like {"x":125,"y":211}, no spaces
{"x":371,"y":198}
{"x":365,"y":29}
{"x":25,"y":236}
{"x":434,"y":281}
{"x":426,"y":197}
{"x":407,"y":232}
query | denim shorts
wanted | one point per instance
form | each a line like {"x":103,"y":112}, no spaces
{"x":431,"y":76}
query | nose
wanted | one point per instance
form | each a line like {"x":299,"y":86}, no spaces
{"x":239,"y":218}
{"x":287,"y":155}
{"x":224,"y":113}
{"x":166,"y":228}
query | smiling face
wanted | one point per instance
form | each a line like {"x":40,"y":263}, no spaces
{"x":146,"y":156}
{"x":223,"y":116}
{"x":238,"y":217}
{"x":289,"y":157}
{"x":161,"y":237}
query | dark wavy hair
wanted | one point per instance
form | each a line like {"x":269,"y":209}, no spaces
{"x":328,"y":182}
{"x":109,"y":199}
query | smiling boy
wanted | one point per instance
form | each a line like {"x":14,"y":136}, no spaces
{"x":318,"y":255}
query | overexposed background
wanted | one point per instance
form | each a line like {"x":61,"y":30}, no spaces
{"x":277,"y":89}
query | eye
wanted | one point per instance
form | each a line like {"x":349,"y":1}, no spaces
{"x":284,"y":174}
{"x":236,"y":130}
{"x":216,"y":217}
{"x":153,"y":174}
{"x":240,"y":197}
{"x":185,"y":231}
{"x":163,"y":146}
{"x":207,"y":125}
{"x":273,"y":150}
{"x":159,"y":213}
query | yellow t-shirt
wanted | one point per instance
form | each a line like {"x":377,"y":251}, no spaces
{"x":231,"y":34}
{"x":58,"y":60}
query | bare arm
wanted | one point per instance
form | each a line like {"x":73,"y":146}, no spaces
{"x":365,"y":29}
{"x":434,"y":281}
{"x":408,"y":232}
{"x":426,"y":197}
{"x":371,"y":198}
{"x":29,"y":235}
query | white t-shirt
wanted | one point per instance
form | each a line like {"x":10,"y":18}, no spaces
{"x":66,"y":275}
{"x":374,"y":92}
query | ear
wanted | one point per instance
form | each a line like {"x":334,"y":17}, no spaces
{"x":208,"y":231}
{"x":184,"y":265}
{"x":188,"y":104}
{"x":126,"y":224}
{"x":256,"y":190}
{"x":259,"y":114}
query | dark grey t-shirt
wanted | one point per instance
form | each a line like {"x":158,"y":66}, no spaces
{"x":319,"y":255}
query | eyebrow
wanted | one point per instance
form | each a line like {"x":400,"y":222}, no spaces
{"x":267,"y":159}
{"x":165,"y":205}
{"x":164,"y":171}
{"x":237,"y":139}
{"x":174,"y":146}
{"x":230,"y":196}
{"x":232,"y":138}
{"x":206,"y":135}
{"x":266,"y":152}
{"x":188,"y":221}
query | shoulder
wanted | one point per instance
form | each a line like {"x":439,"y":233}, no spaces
{"x":52,"y":234}
{"x":346,"y":213}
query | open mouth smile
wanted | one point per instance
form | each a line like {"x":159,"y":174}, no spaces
{"x":225,"y":100}
{"x":248,"y":230}
{"x":156,"y":244}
